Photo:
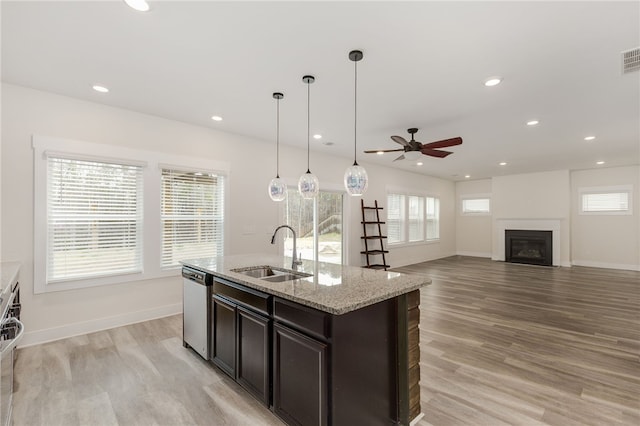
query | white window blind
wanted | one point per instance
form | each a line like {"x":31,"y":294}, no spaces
{"x":433,"y":218}
{"x":605,"y":202}
{"x":416,"y":218}
{"x":192,"y":216}
{"x":395,"y":218}
{"x":94,"y":219}
{"x":476,"y":206}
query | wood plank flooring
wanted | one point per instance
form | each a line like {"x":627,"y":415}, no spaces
{"x":500,"y":344}
{"x":516,"y":344}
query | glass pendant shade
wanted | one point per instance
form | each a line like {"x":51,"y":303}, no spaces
{"x":356,"y":180}
{"x":308,"y":185}
{"x":277,"y":189}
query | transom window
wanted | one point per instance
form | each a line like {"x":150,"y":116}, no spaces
{"x":475,"y":206}
{"x":606,"y":200}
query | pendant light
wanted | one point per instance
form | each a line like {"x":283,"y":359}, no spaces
{"x":277,"y":188}
{"x":356,"y":180}
{"x":308,"y":185}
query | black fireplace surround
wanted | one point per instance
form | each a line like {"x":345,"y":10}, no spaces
{"x":527,"y":246}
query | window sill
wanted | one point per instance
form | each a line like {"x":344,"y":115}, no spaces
{"x":413,"y":243}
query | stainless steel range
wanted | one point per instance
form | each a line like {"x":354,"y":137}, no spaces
{"x":11,"y":331}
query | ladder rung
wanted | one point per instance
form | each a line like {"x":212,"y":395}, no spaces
{"x":374,"y":252}
{"x":378,"y":266}
{"x":373,"y":208}
{"x":373,"y":223}
{"x":373,"y":237}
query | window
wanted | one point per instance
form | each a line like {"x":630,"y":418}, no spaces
{"x":605,"y":200}
{"x":108,"y":214}
{"x":94,"y":219}
{"x":433,"y":218}
{"x":412,"y":218}
{"x":192,"y":212}
{"x":318,"y":224}
{"x":395,"y":218}
{"x":476,"y":206}
{"x":416,"y":218}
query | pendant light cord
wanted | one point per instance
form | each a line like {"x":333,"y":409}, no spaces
{"x":355,"y":114}
{"x":278,"y":138}
{"x":308,"y":121}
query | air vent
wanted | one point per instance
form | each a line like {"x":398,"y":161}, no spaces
{"x":631,"y":60}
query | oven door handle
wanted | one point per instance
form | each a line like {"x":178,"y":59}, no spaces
{"x":15,"y":340}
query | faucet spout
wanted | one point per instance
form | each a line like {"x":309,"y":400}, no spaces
{"x":294,"y":262}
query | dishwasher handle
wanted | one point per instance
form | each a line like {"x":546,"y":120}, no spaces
{"x":15,"y":340}
{"x":194,"y":275}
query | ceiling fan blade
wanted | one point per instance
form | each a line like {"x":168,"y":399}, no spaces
{"x":399,"y":139}
{"x":400,"y":158}
{"x":443,"y":143}
{"x":375,"y":151}
{"x":435,"y":152}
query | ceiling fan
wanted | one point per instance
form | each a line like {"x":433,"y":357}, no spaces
{"x":414,"y":146}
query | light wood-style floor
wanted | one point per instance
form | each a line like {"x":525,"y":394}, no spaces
{"x":500,"y":344}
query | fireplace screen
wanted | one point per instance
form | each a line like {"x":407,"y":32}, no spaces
{"x":525,"y":246}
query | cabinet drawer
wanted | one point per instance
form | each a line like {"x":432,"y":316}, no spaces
{"x":243,"y":295}
{"x":308,"y":320}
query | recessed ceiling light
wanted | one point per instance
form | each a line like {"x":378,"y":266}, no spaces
{"x":467,"y":176}
{"x":216,"y":118}
{"x":493,"y":81}
{"x":419,"y":163}
{"x":139,"y":5}
{"x":100,"y":89}
{"x":589,"y":138}
{"x":599,"y":163}
{"x":380,"y":152}
{"x":532,"y":122}
{"x":503,"y":164}
{"x":317,"y":136}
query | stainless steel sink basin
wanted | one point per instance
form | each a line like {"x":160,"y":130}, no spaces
{"x":270,"y":273}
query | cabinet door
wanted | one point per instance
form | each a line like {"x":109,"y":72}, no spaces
{"x":299,"y":378}
{"x":223,"y":329}
{"x":253,"y":353}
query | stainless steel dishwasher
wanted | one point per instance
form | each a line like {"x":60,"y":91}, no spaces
{"x":196,"y":310}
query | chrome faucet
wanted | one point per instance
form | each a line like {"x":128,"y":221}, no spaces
{"x":294,"y":262}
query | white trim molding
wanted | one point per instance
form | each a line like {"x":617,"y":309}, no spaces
{"x":79,"y":328}
{"x":606,"y":265}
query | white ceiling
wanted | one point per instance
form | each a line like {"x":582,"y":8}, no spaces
{"x":424,"y":66}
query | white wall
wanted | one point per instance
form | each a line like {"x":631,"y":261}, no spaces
{"x":533,"y":196}
{"x":252,"y":216}
{"x":473,"y":233}
{"x":606,"y":241}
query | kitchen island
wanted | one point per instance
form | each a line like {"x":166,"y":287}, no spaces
{"x":323,"y":345}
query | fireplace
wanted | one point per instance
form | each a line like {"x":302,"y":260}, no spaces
{"x":528,"y":246}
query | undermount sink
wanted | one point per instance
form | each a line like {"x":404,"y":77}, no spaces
{"x":270,"y":273}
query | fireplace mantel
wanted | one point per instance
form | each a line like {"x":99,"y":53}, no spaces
{"x":502,"y":224}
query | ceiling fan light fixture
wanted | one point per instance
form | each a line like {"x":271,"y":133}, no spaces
{"x":356,"y":180}
{"x":308,"y":184}
{"x":277,"y":188}
{"x":412,"y":155}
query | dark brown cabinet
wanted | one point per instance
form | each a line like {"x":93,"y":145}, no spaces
{"x":223,"y":337}
{"x":299,"y":377}
{"x":253,"y":353}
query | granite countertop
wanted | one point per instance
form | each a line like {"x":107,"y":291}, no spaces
{"x":332,"y":288}
{"x":8,"y":274}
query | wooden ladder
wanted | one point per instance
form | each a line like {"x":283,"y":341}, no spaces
{"x":369,"y":238}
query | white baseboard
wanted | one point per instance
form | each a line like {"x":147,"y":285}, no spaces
{"x":416,"y":419}
{"x":474,"y":254}
{"x":590,"y":264}
{"x":56,"y":333}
